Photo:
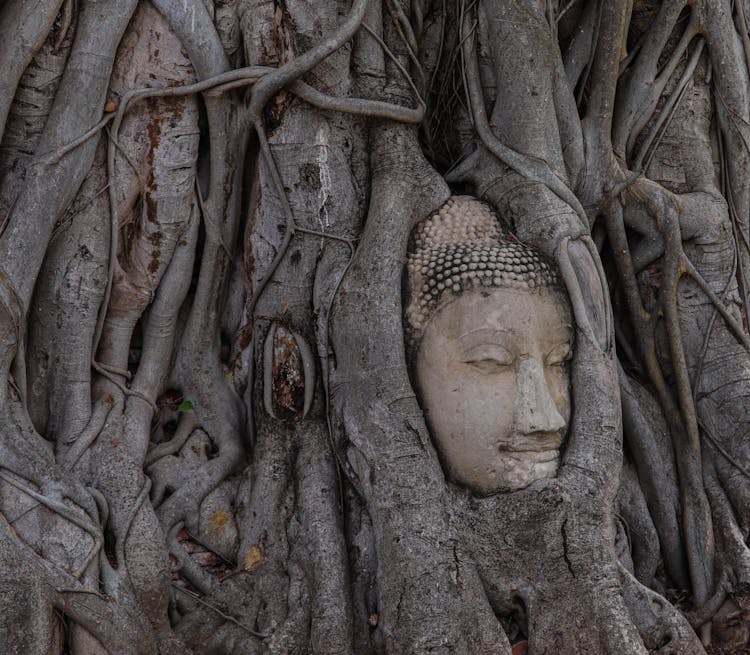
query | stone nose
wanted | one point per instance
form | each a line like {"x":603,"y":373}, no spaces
{"x":535,"y":408}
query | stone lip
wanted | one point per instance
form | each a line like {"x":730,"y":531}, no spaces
{"x":526,"y":444}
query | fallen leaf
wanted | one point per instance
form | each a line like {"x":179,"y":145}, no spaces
{"x":219,"y":520}
{"x":252,"y":558}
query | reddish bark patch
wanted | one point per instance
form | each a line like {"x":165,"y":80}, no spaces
{"x":153,"y":132}
{"x":155,"y":238}
{"x":153,"y":265}
{"x":309,"y":176}
{"x":288,"y":376}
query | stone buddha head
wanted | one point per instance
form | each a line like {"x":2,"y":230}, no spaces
{"x":489,"y":336}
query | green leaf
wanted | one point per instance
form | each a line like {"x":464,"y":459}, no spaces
{"x":184,"y":406}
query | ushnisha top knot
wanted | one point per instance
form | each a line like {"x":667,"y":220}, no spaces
{"x":458,"y":248}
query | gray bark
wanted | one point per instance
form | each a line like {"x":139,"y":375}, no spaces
{"x":209,"y":440}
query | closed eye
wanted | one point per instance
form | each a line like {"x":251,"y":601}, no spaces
{"x":560,"y":355}
{"x":489,"y":365}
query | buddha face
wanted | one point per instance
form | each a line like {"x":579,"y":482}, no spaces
{"x":493,"y":379}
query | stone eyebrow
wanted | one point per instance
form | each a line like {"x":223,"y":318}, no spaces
{"x":485,"y":331}
{"x":477,"y":336}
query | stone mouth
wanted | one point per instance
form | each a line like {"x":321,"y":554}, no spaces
{"x":538,"y":445}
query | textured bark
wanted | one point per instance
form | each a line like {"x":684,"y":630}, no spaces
{"x":209,"y":440}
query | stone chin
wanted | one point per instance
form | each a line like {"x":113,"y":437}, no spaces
{"x":511,"y":471}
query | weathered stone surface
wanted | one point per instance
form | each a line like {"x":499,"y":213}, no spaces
{"x":491,"y":335}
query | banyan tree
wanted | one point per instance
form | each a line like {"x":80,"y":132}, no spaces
{"x":374,"y":326}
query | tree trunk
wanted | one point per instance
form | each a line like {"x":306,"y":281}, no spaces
{"x":209,"y":437}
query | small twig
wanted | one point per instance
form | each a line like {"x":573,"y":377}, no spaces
{"x":280,"y":253}
{"x":742,"y":20}
{"x":662,"y":122}
{"x":583,"y":81}
{"x":735,"y":327}
{"x":441,"y":47}
{"x":56,"y":155}
{"x":736,"y":220}
{"x":737,"y":229}
{"x":348,"y":241}
{"x":715,"y":443}
{"x":410,"y":40}
{"x":69,"y":218}
{"x":632,"y":53}
{"x":565,"y":9}
{"x":209,"y":548}
{"x":626,"y":527}
{"x":114,"y":231}
{"x":286,"y":210}
{"x":128,"y":159}
{"x":211,"y":225}
{"x":327,"y":375}
{"x":65,"y":22}
{"x":196,"y":597}
{"x":710,"y":327}
{"x":93,"y":592}
{"x":395,"y":61}
{"x":405,"y":31}
{"x":734,"y":116}
{"x":102,"y":506}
